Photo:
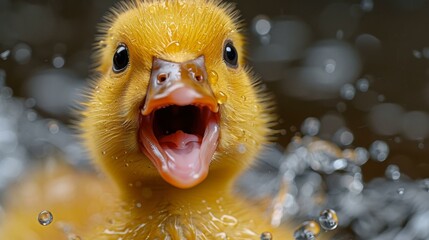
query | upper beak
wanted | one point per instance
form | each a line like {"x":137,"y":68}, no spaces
{"x":179,"y":84}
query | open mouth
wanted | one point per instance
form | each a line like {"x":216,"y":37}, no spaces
{"x":188,"y":119}
{"x":179,"y":121}
{"x":180,"y":141}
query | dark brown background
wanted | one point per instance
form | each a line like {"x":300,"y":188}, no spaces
{"x":398,"y":67}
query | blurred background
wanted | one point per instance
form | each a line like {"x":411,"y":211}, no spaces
{"x":354,"y":73}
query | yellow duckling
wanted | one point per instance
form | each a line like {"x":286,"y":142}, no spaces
{"x":174,"y":117}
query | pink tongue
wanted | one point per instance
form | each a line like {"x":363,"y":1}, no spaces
{"x":183,"y":151}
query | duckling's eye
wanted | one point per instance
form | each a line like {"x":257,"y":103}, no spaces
{"x":230,"y":55}
{"x":120,"y":59}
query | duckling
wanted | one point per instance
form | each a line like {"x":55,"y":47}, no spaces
{"x":173,"y":118}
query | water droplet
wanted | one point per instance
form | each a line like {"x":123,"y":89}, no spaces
{"x":241,"y":148}
{"x":266,"y":236}
{"x":31,"y":115}
{"x":244,"y":98}
{"x":356,"y":186}
{"x":362,"y":156}
{"x":4,"y":55}
{"x":213,"y":77}
{"x":53,"y":127}
{"x":262,"y":25}
{"x":417,"y":54}
{"x":401,"y":191}
{"x":138,"y":205}
{"x":222,"y":97}
{"x":328,"y":219}
{"x":330,"y":65}
{"x":45,"y":217}
{"x":379,"y":150}
{"x":103,"y":152}
{"x":310,"y":126}
{"x":392,"y":172}
{"x":22,"y":53}
{"x":6,"y":92}
{"x":30,"y":102}
{"x":308,"y":230}
{"x":58,"y":61}
{"x":362,"y":84}
{"x":73,"y":237}
{"x":347,"y":91}
{"x":340,"y":34}
{"x":367,"y":5}
{"x":344,"y":137}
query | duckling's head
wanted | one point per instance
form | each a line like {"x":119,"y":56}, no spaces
{"x":173,"y":100}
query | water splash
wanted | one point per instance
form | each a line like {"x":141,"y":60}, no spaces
{"x":312,"y":175}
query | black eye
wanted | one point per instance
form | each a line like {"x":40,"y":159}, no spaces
{"x":120,"y":59}
{"x":230,"y":55}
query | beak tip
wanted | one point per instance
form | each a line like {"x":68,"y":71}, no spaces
{"x":215,"y":109}
{"x":144,"y":111}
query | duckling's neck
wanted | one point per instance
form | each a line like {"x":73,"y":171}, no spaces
{"x":216,"y":185}
{"x":202,"y":212}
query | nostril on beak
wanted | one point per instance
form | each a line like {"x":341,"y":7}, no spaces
{"x":162,"y":77}
{"x":199,"y":78}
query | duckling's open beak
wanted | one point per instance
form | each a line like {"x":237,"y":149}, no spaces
{"x":179,"y":121}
